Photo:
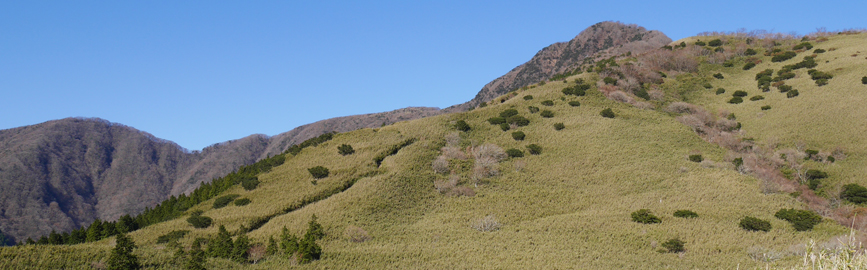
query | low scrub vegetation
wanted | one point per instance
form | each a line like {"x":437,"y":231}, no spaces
{"x":199,"y":221}
{"x":318,"y":172}
{"x":546,"y":114}
{"x":548,"y":103}
{"x":645,"y":216}
{"x":574,"y":103}
{"x":802,"y":220}
{"x":696,"y":158}
{"x":854,"y":193}
{"x":674,"y":245}
{"x":534,"y":149}
{"x":345,"y":149}
{"x":685,"y":214}
{"x":462,"y":125}
{"x":559,"y":126}
{"x":222,"y":201}
{"x":512,"y":152}
{"x":607,"y":113}
{"x":754,"y":224}
{"x":242,"y":201}
{"x":518,"y":135}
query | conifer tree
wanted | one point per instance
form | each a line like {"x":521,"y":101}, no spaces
{"x":94,"y":232}
{"x":308,"y":249}
{"x":196,"y":257}
{"x":221,"y":246}
{"x":121,"y":256}
{"x":314,"y":229}
{"x":240,"y":248}
{"x":272,"y":246}
{"x":288,"y":242}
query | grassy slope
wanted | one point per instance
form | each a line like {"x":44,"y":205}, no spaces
{"x":568,"y":208}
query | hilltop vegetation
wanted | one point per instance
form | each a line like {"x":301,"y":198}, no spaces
{"x":652,"y":167}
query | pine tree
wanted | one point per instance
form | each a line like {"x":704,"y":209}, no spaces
{"x":240,"y":248}
{"x":315,"y":229}
{"x":272,"y":246}
{"x":196,"y":258}
{"x":94,"y":232}
{"x":126,"y":224}
{"x":121,"y":256}
{"x":288,"y":242}
{"x":308,"y":249}
{"x":221,"y":246}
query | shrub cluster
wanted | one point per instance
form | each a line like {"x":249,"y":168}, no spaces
{"x":574,"y":103}
{"x":784,"y":88}
{"x":718,"y":76}
{"x":505,"y":126}
{"x":547,"y":114}
{"x":577,"y":90}
{"x":715,"y":43}
{"x":645,"y":216}
{"x":750,"y":51}
{"x":696,"y":158}
{"x":685,"y":214}
{"x":819,"y":51}
{"x":864,"y":80}
{"x":534,"y":149}
{"x":512,"y":152}
{"x":707,"y":85}
{"x":673,"y":245}
{"x":720,"y":91}
{"x":736,"y":100}
{"x":783,"y":56}
{"x":222,"y":201}
{"x":791,"y":94}
{"x":250,"y":183}
{"x":548,"y":103}
{"x":462,"y":125}
{"x":802,"y":220}
{"x":728,"y":63}
{"x":518,"y":135}
{"x":854,"y":193}
{"x":755,"y":224}
{"x":766,"y":107}
{"x":518,"y":120}
{"x":749,"y":66}
{"x":803,"y":46}
{"x":533,"y":109}
{"x":740,"y":93}
{"x":172,"y":236}
{"x":528,"y":97}
{"x":318,"y":172}
{"x":700,"y":43}
{"x":199,"y":221}
{"x":607,"y":113}
{"x":496,"y":120}
{"x":559,"y":126}
{"x":242,"y":201}
{"x":508,"y":113}
{"x":821,"y":78}
{"x":345,"y":149}
{"x":757,"y":97}
{"x":609,"y":80}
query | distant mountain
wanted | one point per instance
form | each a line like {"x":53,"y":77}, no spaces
{"x":562,"y":57}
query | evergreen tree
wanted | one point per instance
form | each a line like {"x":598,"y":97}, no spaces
{"x":54,"y":238}
{"x":94,"y":232}
{"x":272,"y":246}
{"x":288,"y":242}
{"x":108,"y":229}
{"x":308,"y":249}
{"x":3,"y":239}
{"x":314,"y":229}
{"x":121,"y":256}
{"x":240,"y":248}
{"x":221,"y":246}
{"x":196,"y":258}
{"x":126,"y":224}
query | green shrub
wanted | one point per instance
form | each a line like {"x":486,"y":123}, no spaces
{"x":816,"y":174}
{"x":715,"y":43}
{"x":791,"y":94}
{"x":757,"y":97}
{"x":645,"y":216}
{"x":831,"y":159}
{"x":784,"y":76}
{"x":720,"y":91}
{"x":738,"y":162}
{"x":483,"y":104}
{"x":533,"y":109}
{"x":512,"y":152}
{"x":700,"y":43}
{"x":567,"y":91}
{"x":740,"y":93}
{"x":559,"y":126}
{"x":673,"y":245}
{"x":819,"y":51}
{"x":242,"y":201}
{"x":736,"y":100}
{"x":574,"y":103}
{"x":547,"y":114}
{"x":755,"y":224}
{"x":609,"y":80}
{"x":749,"y":65}
{"x":528,"y":97}
{"x":505,"y":126}
{"x":508,"y":113}
{"x":685,"y":214}
{"x":548,"y":103}
{"x":250,"y":183}
{"x":707,"y":85}
{"x":518,"y":120}
{"x":766,"y":107}
{"x":696,"y":158}
{"x":784,"y":88}
{"x":802,"y":220}
{"x":200,"y":222}
{"x":222,"y":201}
{"x":496,"y":120}
{"x":345,"y":149}
{"x":750,"y":51}
{"x":783,"y":56}
{"x":718,"y":76}
{"x":518,"y":135}
{"x":818,"y":75}
{"x":803,"y":45}
{"x":766,"y":73}
{"x":864,"y":80}
{"x":172,"y":236}
{"x":534,"y":149}
{"x":318,"y":172}
{"x":728,"y":63}
{"x":821,"y":82}
{"x":462,"y":125}
{"x":607,"y":113}
{"x":854,"y":193}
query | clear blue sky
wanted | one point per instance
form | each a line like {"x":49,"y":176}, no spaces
{"x":202,"y":72}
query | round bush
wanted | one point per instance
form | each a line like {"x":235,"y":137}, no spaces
{"x":755,"y":224}
{"x":791,"y":94}
{"x":700,"y":43}
{"x":533,"y":109}
{"x":750,"y":51}
{"x":222,"y":201}
{"x":609,"y":80}
{"x":548,"y":103}
{"x":534,"y":149}
{"x":784,"y":88}
{"x":505,"y":126}
{"x":707,"y":86}
{"x":496,"y":120}
{"x":508,"y":113}
{"x":250,"y":183}
{"x":740,"y":93}
{"x":783,"y":57}
{"x":802,"y":220}
{"x":685,"y":214}
{"x":854,"y":193}
{"x":345,"y":149}
{"x":200,"y":222}
{"x":462,"y":125}
{"x":559,"y":126}
{"x":518,"y":120}
{"x":757,"y":97}
{"x":574,"y":103}
{"x":607,"y":113}
{"x":715,"y":43}
{"x":718,"y":76}
{"x":547,"y":114}
{"x":864,"y":80}
{"x":528,"y":97}
{"x":242,"y":201}
{"x":766,"y":107}
{"x":696,"y":158}
{"x":736,"y":100}
{"x":318,"y":172}
{"x":749,"y":65}
{"x":818,"y":51}
{"x":728,"y":63}
{"x":512,"y":152}
{"x":518,"y":135}
{"x":720,"y":91}
{"x":673,"y":245}
{"x":645,"y":216}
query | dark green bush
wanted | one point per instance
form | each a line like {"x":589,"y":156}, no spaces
{"x":757,"y":97}
{"x":736,"y":100}
{"x":548,"y":103}
{"x":242,"y":201}
{"x":818,"y":51}
{"x":715,"y":43}
{"x":784,"y":88}
{"x":738,"y":162}
{"x":740,"y":93}
{"x":749,"y":65}
{"x":802,"y":220}
{"x":200,"y":222}
{"x":728,"y":63}
{"x":766,"y":107}
{"x":642,"y":94}
{"x":496,"y":120}
{"x":818,"y":75}
{"x":505,"y":126}
{"x":685,"y":214}
{"x":755,"y":224}
{"x":547,"y":114}
{"x":718,"y":76}
{"x":645,"y":216}
{"x":250,"y":183}
{"x":821,"y":82}
{"x":831,"y":159}
{"x":508,"y":113}
{"x":791,"y":94}
{"x":172,"y":236}
{"x":816,"y":174}
{"x":784,"y":76}
{"x":533,"y":109}
{"x":811,"y":154}
{"x":222,"y":201}
{"x":766,"y":73}
{"x":318,"y":172}
{"x":720,"y":91}
{"x":462,"y":125}
{"x":528,"y":97}
{"x":707,"y":85}
{"x":696,"y":158}
{"x":567,"y":91}
{"x":783,"y":56}
{"x":534,"y":149}
{"x":673,"y":245}
{"x":518,"y":120}
{"x":518,"y":135}
{"x":345,"y":149}
{"x":607,"y":113}
{"x":854,"y":193}
{"x":750,"y":51}
{"x":559,"y":126}
{"x":574,"y":103}
{"x":512,"y":152}
{"x":864,"y":80}
{"x":700,"y":43}
{"x":803,"y":45}
{"x":609,"y":80}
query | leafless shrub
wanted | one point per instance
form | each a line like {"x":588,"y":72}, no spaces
{"x":452,"y":152}
{"x":656,"y":95}
{"x":453,"y":139}
{"x":519,"y":165}
{"x":440,"y":165}
{"x":356,"y":234}
{"x":487,"y":224}
{"x":462,"y":191}
{"x":444,"y":186}
{"x":256,"y":252}
{"x":838,"y":153}
{"x":490,"y":151}
{"x":644,"y":105}
{"x":764,"y":255}
{"x":620,"y":96}
{"x":682,"y":107}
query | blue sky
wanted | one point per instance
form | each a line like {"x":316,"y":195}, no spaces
{"x":203,"y":72}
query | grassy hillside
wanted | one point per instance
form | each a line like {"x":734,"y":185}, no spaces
{"x":569,"y":206}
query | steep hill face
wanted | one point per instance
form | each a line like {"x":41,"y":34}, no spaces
{"x":563,"y":57}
